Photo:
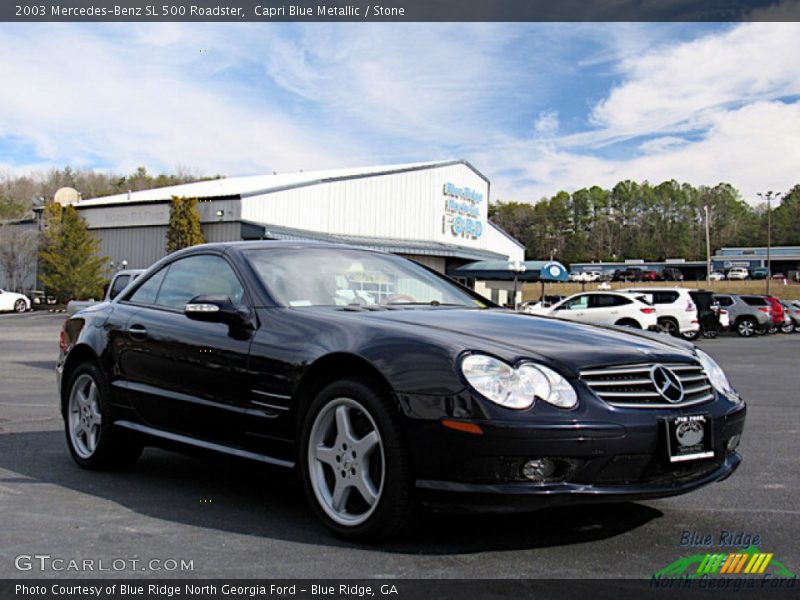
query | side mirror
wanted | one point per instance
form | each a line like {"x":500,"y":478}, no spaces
{"x":215,"y":309}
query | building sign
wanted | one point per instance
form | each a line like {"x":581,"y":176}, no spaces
{"x":462,"y":211}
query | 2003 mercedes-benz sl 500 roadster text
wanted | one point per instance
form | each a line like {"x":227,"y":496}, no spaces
{"x":387,"y":384}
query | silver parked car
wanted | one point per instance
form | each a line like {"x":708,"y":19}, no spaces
{"x":749,"y":315}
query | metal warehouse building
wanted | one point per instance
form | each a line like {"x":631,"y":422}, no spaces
{"x":435,"y":213}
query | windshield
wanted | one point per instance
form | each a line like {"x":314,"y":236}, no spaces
{"x":300,"y":277}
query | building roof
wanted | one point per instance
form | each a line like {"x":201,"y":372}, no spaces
{"x":499,"y":270}
{"x":262,"y":184}
{"x":397,"y":246}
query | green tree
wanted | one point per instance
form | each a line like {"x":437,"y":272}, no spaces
{"x":69,"y":260}
{"x":786,"y":219}
{"x":184,"y":228}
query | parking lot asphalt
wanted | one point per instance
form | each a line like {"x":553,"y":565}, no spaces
{"x":240,"y":520}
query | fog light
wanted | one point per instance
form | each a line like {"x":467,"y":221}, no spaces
{"x":538,"y":469}
{"x":733,"y":443}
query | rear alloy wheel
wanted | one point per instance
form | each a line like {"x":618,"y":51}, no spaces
{"x":747,"y":327}
{"x":669,"y":326}
{"x":20,"y":306}
{"x":91,"y":438}
{"x":691,"y":335}
{"x":787,"y":328}
{"x":710,"y":333}
{"x":356,"y":468}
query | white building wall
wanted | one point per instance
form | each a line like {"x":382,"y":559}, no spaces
{"x":497,"y":241}
{"x":407,"y":205}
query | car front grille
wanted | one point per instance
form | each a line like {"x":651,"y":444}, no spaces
{"x":637,"y":386}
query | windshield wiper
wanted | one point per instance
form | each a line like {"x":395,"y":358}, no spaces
{"x":431,"y":303}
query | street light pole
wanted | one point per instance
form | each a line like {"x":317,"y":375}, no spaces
{"x":516,"y":267}
{"x":708,"y":248}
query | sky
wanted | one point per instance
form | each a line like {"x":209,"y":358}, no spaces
{"x":536,"y":107}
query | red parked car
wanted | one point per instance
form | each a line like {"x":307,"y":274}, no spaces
{"x":776,"y":311}
{"x":648,"y":275}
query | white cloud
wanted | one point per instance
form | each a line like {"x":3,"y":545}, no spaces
{"x":83,"y":98}
{"x":546,"y":124}
{"x":684,"y":87}
{"x":754,"y":148}
{"x":260,"y":97}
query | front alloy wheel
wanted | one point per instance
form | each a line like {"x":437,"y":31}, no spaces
{"x":346,"y":461}
{"x":355,"y":463}
{"x":20,"y":306}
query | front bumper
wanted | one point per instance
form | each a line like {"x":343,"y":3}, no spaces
{"x":514,"y":497}
{"x":607,"y":454}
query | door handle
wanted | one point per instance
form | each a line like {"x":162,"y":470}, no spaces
{"x":137,"y":332}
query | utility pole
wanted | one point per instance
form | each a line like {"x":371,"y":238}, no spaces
{"x":708,"y":248}
{"x":768,"y":196}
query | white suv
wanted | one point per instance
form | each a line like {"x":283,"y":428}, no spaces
{"x":739,"y":273}
{"x":677,"y":312}
{"x":604,"y":308}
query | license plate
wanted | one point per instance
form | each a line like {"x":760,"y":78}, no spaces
{"x":689,"y":438}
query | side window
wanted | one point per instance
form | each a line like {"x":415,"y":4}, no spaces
{"x":723,"y":300}
{"x":606,"y":301}
{"x":199,"y":275}
{"x":754,"y":301}
{"x":579,"y":303}
{"x":119,"y":285}
{"x":147,"y":292}
{"x":664,"y":297}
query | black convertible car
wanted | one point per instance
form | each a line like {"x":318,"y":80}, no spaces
{"x":386,"y":384}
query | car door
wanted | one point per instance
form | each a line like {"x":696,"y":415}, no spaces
{"x":183,"y":375}
{"x":606,"y":309}
{"x":574,"y":309}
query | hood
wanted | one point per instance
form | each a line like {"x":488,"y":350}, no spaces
{"x":513,"y":336}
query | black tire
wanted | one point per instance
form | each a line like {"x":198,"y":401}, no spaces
{"x":710,"y":333}
{"x":20,"y":306}
{"x":788,"y":328}
{"x":747,"y":327}
{"x":113,"y":449}
{"x":773,"y":329}
{"x":691,"y":335}
{"x":670,"y":326}
{"x":395,"y":501}
{"x":628,"y":323}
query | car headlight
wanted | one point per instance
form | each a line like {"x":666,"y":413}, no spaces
{"x":517,"y":387}
{"x":715,"y":373}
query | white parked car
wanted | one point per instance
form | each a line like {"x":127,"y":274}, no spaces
{"x":716,"y":276}
{"x":591,"y":276}
{"x":677,"y":312}
{"x":16,"y":302}
{"x":604,"y":308}
{"x":738,"y":273}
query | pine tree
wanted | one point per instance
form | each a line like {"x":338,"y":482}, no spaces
{"x":184,"y":228}
{"x":71,"y":267}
